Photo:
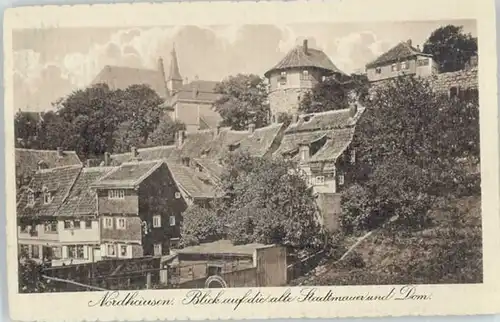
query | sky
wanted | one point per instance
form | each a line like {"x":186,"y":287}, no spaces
{"x":51,"y":63}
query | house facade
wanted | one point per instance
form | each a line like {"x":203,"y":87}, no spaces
{"x":295,"y":75}
{"x":402,"y":59}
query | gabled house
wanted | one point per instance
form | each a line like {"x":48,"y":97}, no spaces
{"x":28,"y":161}
{"x":402,"y":59}
{"x":139,"y":206}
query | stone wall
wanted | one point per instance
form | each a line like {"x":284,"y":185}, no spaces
{"x":286,"y":100}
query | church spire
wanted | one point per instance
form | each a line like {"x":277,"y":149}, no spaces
{"x":174,"y":81}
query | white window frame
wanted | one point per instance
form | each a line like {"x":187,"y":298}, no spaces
{"x":283,"y":79}
{"x":107,"y":222}
{"x":119,"y":222}
{"x":394,"y":67}
{"x":47,"y":197}
{"x":108,"y":247}
{"x":305,"y":75}
{"x":340,"y":179}
{"x":157,"y":251}
{"x":121,"y":248}
{"x":177,"y":195}
{"x":116,"y":194}
{"x":156,"y":221}
{"x":31,"y":198}
{"x":171,"y":221}
{"x":353,"y":156}
{"x":319,"y":180}
{"x":405,"y":65}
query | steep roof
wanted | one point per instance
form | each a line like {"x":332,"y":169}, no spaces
{"x":57,"y":181}
{"x":292,"y":141}
{"x":403,"y":50}
{"x":128,"y":175}
{"x":213,"y":168}
{"x":120,"y":77}
{"x":326,"y":120}
{"x":302,"y":56}
{"x":209,"y":121}
{"x":146,"y":154}
{"x":27,"y":160}
{"x":81,"y":199}
{"x":198,"y":90}
{"x":174,"y":73}
{"x":338,"y":141}
{"x":195,"y":184}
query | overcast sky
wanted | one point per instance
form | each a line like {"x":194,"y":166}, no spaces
{"x":50,"y":63}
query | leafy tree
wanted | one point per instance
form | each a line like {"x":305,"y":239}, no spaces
{"x":164,"y":134}
{"x":450,"y":47}
{"x":408,"y":144}
{"x":30,"y":277}
{"x":201,"y":224}
{"x":243,"y":101}
{"x":26,"y":129}
{"x":268,"y":203}
{"x":332,"y":94}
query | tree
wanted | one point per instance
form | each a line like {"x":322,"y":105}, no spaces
{"x":332,"y":94}
{"x":268,"y":203}
{"x":243,"y":101}
{"x":408,"y":145}
{"x":165,"y":132}
{"x":201,"y":224}
{"x":450,"y":47}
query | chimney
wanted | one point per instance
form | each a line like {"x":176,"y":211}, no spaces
{"x":195,"y":90}
{"x":60,"y":153}
{"x":217,"y":130}
{"x":134,"y":152}
{"x":418,"y":47}
{"x":408,"y":42}
{"x":180,"y":138}
{"x":251,"y":128}
{"x":304,"y":46}
{"x":107,"y":159}
{"x":353,"y":110}
{"x":295,"y":118}
{"x":304,"y":153}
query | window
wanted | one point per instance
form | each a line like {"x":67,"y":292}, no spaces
{"x":156,"y":221}
{"x":319,"y":180}
{"x":25,"y":228}
{"x":88,"y":224}
{"x":111,"y":250}
{"x":56,"y":252}
{"x":282,"y":79}
{"x":76,"y":224}
{"x":50,"y":227}
{"x":341,"y":179}
{"x":423,"y":62}
{"x":305,"y":75}
{"x":453,"y":92}
{"x":35,"y":251}
{"x":174,"y":243}
{"x":405,"y":65}
{"x":80,"y":252}
{"x":378,"y":70}
{"x":123,"y":250}
{"x":31,"y":198}
{"x":353,"y":156}
{"x":393,"y":67}
{"x":157,"y":250}
{"x":172,"y":220}
{"x":116,"y":194}
{"x":108,"y":222}
{"x":120,"y":223}
{"x":24,"y":251}
{"x":68,"y":224}
{"x":47,"y":197}
{"x":177,"y":195}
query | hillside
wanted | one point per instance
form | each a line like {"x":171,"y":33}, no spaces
{"x":449,"y":251}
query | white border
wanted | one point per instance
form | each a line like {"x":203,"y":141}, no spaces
{"x":446,"y":299}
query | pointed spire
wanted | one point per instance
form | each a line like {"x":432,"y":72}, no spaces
{"x":174,"y":67}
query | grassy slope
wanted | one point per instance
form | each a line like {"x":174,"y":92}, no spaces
{"x":450,"y":251}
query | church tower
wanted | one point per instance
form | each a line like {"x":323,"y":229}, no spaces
{"x":174,"y":81}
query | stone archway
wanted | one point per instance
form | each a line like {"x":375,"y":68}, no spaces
{"x":215,"y":281}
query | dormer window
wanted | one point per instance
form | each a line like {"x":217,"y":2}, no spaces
{"x":116,"y":194}
{"x":378,"y":70}
{"x":47,"y":197}
{"x":31,"y":198}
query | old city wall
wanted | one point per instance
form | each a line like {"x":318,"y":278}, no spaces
{"x":286,"y":100}
{"x":444,"y":82}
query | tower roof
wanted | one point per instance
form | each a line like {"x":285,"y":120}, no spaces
{"x":174,"y":73}
{"x":401,"y":51}
{"x":303,"y":56}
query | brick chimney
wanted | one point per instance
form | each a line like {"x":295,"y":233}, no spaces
{"x":134,"y":151}
{"x":251,"y":128}
{"x":60,"y":152}
{"x":305,"y":47}
{"x":295,"y":118}
{"x":304,"y":153}
{"x":408,"y":42}
{"x":107,"y":159}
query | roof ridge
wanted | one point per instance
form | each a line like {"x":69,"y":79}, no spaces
{"x":156,"y":147}
{"x":60,"y":168}
{"x":37,"y":150}
{"x":63,"y":201}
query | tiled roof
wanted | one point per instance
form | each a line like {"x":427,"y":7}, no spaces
{"x":198,"y":90}
{"x":27,"y":160}
{"x":146,"y":154}
{"x":209,"y":121}
{"x":128,"y":175}
{"x":81,"y":200}
{"x":194,"y":183}
{"x":119,"y":77}
{"x":213,"y":168}
{"x":259,"y":143}
{"x":300,"y":58}
{"x":403,"y":50}
{"x":57,"y":181}
{"x":325,"y":120}
{"x":338,"y":141}
{"x":292,"y":141}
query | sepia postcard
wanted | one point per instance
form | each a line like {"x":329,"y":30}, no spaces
{"x":237,"y":160}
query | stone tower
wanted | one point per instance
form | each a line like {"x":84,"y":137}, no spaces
{"x":174,"y":81}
